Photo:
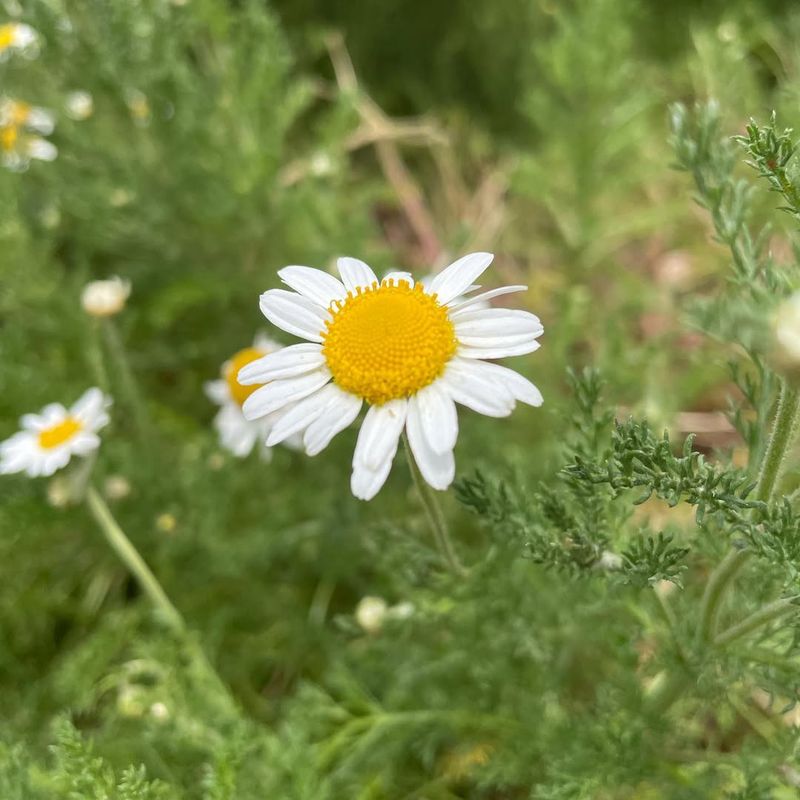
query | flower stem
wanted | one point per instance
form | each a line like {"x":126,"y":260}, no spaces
{"x":127,"y":378}
{"x":435,"y":516}
{"x":760,"y":617}
{"x":130,"y":557}
{"x":779,"y":443}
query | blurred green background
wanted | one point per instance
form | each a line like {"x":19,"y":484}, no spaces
{"x":226,"y":140}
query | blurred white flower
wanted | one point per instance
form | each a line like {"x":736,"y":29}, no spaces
{"x":22,"y":127}
{"x":409,"y":351}
{"x":59,"y":492}
{"x":105,"y":298}
{"x":16,"y":37}
{"x":49,"y":439}
{"x":237,"y":434}
{"x":787,"y":330}
{"x":79,"y":105}
{"x":370,"y":613}
{"x":116,"y":487}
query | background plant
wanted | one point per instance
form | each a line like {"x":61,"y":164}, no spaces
{"x":228,"y":140}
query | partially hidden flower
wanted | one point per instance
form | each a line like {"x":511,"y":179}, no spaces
{"x":49,"y":439}
{"x":237,"y":434}
{"x":787,"y":330}
{"x":17,"y":37}
{"x":105,"y":298}
{"x":409,"y":351}
{"x":22,"y":128}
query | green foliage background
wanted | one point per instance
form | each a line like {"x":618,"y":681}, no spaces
{"x":540,"y":132}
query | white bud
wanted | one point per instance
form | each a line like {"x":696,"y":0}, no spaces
{"x":79,"y":105}
{"x":610,"y":561}
{"x":159,"y":711}
{"x":370,"y":613}
{"x":116,"y":487}
{"x":105,"y":298}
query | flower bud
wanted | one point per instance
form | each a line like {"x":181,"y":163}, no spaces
{"x":370,"y":613}
{"x":105,"y":298}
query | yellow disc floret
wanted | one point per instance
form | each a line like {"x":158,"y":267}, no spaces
{"x":8,"y":33}
{"x":60,"y":433}
{"x":238,"y":392}
{"x":388,"y":341}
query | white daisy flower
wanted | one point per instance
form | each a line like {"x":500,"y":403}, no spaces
{"x":22,"y":127}
{"x":410,"y":352}
{"x":237,"y":434}
{"x":16,"y":37}
{"x":49,"y":439}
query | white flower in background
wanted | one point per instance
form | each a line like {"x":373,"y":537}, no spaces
{"x":105,"y":298}
{"x":79,"y":105}
{"x":237,"y":434}
{"x":410,"y":352}
{"x":787,"y":329}
{"x":370,"y":613}
{"x":16,"y":37}
{"x":49,"y":439}
{"x":22,"y":127}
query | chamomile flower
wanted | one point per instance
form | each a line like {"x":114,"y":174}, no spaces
{"x":49,"y":439}
{"x":22,"y":128}
{"x":16,"y":37}
{"x":237,"y":434}
{"x":408,"y":351}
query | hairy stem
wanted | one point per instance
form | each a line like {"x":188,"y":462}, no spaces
{"x":435,"y":516}
{"x":779,"y":443}
{"x":130,"y":557}
{"x":756,"y":620}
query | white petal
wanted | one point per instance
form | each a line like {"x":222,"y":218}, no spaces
{"x":494,"y":322}
{"x":297,"y":359}
{"x":355,"y":274}
{"x":277,"y":394}
{"x":437,"y":416}
{"x":340,"y":412}
{"x":236,"y":434}
{"x":265,"y":343}
{"x":438,"y":468}
{"x":90,"y":406}
{"x":380,"y":433}
{"x":42,"y":150}
{"x":316,"y":285}
{"x":299,"y":416}
{"x":294,"y":314}
{"x":40,"y":120}
{"x":84,"y":442}
{"x":217,"y":391}
{"x":510,"y":348}
{"x":453,"y":280}
{"x":365,"y":483}
{"x":483,"y":297}
{"x":53,"y":461}
{"x":53,"y":413}
{"x":20,"y":441}
{"x":469,"y":385}
{"x":519,"y":386}
{"x":397,"y":277}
{"x":14,"y":462}
{"x":32,"y":422}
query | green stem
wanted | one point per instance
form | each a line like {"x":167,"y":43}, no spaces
{"x":779,"y":443}
{"x":132,"y":560}
{"x":759,"y":618}
{"x":127,"y":378}
{"x":435,"y":516}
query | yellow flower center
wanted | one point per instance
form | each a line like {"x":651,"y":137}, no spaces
{"x":388,"y":341}
{"x":238,"y":392}
{"x":58,"y":434}
{"x":8,"y":137}
{"x":7,"y":36}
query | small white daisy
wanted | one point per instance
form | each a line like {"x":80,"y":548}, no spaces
{"x":49,"y":439}
{"x":22,"y":127}
{"x":409,"y":351}
{"x":16,"y":37}
{"x":237,"y":434}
